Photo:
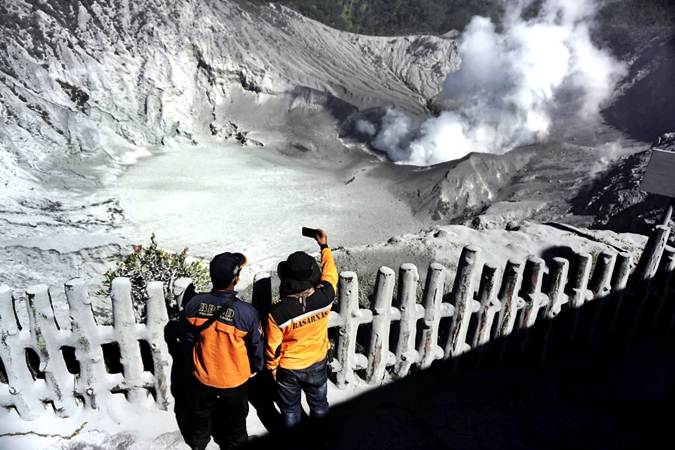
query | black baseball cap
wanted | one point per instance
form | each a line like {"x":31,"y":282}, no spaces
{"x":225,"y":267}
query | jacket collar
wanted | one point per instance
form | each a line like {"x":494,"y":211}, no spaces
{"x":230,"y":293}
{"x":290,"y":286}
{"x":303,"y":295}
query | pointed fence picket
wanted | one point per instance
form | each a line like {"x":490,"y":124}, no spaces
{"x":490,"y":304}
{"x":379,"y":356}
{"x":486,"y":302}
{"x":601,"y":284}
{"x":410,"y":313}
{"x":433,"y":306}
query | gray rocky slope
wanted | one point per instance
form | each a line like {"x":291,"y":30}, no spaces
{"x":87,"y":85}
{"x":615,"y":199}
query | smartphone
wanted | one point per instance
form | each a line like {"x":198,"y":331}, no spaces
{"x":310,"y":232}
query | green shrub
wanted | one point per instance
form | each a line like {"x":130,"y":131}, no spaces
{"x":150,"y":263}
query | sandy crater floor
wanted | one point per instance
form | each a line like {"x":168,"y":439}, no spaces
{"x":223,"y":197}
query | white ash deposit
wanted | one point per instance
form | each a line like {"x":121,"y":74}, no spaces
{"x":225,"y":125}
{"x":228,"y":125}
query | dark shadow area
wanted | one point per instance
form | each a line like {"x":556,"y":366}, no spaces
{"x":337,"y":107}
{"x":190,"y":292}
{"x":72,"y":364}
{"x":541,"y":388}
{"x":363,"y":337}
{"x":558,"y":251}
{"x":146,"y":356}
{"x":180,"y":372}
{"x":3,"y":373}
{"x":180,"y":375}
{"x":112,"y":357}
{"x":261,"y":297}
{"x":261,"y":395}
{"x":333,"y":336}
{"x":33,"y":362}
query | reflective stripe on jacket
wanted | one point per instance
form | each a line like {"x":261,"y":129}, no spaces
{"x":297,"y":327}
{"x":227,"y":352}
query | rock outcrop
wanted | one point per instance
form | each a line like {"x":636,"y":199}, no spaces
{"x":615,"y":199}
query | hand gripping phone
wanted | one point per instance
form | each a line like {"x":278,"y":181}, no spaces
{"x":310,"y":232}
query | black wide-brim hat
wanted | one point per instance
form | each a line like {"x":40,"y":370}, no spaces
{"x":299,"y":272}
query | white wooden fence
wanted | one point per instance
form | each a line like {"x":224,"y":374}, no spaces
{"x":30,"y":389}
{"x":497,"y":300}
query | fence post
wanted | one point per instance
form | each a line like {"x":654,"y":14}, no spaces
{"x":433,"y":296}
{"x":45,"y":341}
{"x":508,"y":296}
{"x":558,"y":279}
{"x":619,"y":283}
{"x":92,"y":383}
{"x":378,"y":351}
{"x":666,"y":273}
{"x":124,"y":326}
{"x":411,"y":312}
{"x":261,"y":295}
{"x":465,"y":305}
{"x":156,"y":320}
{"x":601,"y":285}
{"x":534,"y":298}
{"x":349,"y":310}
{"x":580,"y":291}
{"x":12,"y":343}
{"x":490,"y":304}
{"x":646,"y":269}
{"x":556,"y":294}
{"x":651,"y":255}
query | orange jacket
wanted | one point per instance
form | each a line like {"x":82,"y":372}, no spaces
{"x":297,"y":334}
{"x":227,"y":352}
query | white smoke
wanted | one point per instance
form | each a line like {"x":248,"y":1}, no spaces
{"x":510,"y":86}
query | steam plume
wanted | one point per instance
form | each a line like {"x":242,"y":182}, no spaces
{"x":510,"y":86}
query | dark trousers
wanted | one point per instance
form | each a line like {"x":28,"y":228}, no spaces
{"x":313,"y":381}
{"x":220,"y":413}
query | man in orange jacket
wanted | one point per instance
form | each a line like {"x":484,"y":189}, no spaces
{"x":226,"y":349}
{"x":297,"y":332}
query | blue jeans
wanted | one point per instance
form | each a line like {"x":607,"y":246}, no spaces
{"x":313,"y":381}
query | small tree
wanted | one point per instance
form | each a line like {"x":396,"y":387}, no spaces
{"x":150,"y":263}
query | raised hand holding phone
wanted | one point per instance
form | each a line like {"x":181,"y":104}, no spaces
{"x":318,"y":234}
{"x":321,"y":237}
